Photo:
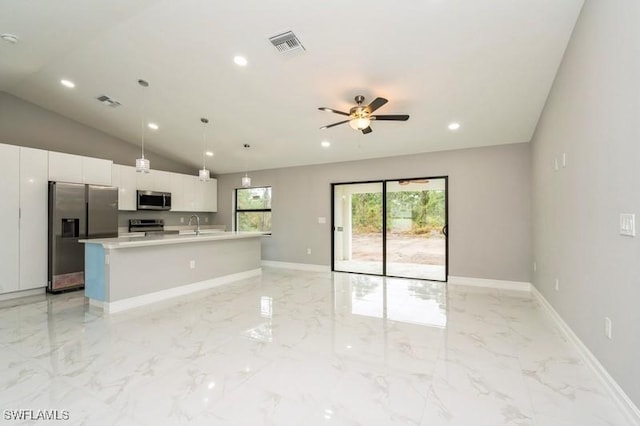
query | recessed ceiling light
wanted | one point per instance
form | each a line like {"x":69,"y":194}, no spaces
{"x":325,"y":144}
{"x":68,"y":83}
{"x":454,"y":126}
{"x":10,"y":38}
{"x":240,"y":60}
{"x":209,"y":154}
{"x":153,"y":126}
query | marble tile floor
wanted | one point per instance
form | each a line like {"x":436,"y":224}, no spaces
{"x":300,"y":348}
{"x":396,"y":269}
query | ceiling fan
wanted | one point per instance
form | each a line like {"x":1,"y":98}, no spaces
{"x":361,"y":116}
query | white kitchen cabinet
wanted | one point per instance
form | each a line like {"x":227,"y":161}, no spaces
{"x":177,"y":194}
{"x":146,"y":181}
{"x":201,"y":188}
{"x":9,"y":220}
{"x":96,"y":171}
{"x":124,"y":177}
{"x":189,"y":192}
{"x":77,"y":169}
{"x":210,"y":196}
{"x":65,"y":167}
{"x":162,"y":181}
{"x":33,"y":218}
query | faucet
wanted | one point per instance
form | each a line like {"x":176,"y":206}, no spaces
{"x":197,"y":223}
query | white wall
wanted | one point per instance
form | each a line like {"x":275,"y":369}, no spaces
{"x":489,"y":209}
{"x":593,"y":115}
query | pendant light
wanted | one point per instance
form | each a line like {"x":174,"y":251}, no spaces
{"x":246,"y":180}
{"x":142,"y":164}
{"x":204,"y":174}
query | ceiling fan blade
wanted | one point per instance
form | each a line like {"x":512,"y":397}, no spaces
{"x":367,"y":130}
{"x":334,"y":124}
{"x":333,"y":110}
{"x":376,"y":103}
{"x":399,"y":117}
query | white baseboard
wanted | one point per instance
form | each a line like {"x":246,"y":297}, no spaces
{"x":620,"y":397}
{"x":22,"y":293}
{"x":298,"y":266}
{"x":158,"y":296}
{"x":482,"y":282}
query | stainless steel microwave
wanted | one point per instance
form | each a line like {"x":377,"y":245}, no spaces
{"x":153,"y":200}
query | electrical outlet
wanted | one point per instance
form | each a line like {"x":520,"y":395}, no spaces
{"x":192,"y":264}
{"x":607,"y":327}
{"x":535,"y":266}
{"x":308,"y":251}
{"x":182,"y":220}
{"x":564,"y":160}
{"x":555,"y":164}
{"x":557,"y":287}
{"x":206,"y":219}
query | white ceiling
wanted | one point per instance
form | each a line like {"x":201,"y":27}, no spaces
{"x":488,"y":64}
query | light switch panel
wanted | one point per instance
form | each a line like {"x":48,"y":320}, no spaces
{"x":322,"y":220}
{"x":628,"y":224}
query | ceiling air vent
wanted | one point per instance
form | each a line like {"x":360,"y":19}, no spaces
{"x":105,"y":100}
{"x":287,"y":43}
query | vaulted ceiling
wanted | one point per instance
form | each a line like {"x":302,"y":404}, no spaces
{"x":486,"y":64}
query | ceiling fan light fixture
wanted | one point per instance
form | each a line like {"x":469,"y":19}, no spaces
{"x":359,"y":123}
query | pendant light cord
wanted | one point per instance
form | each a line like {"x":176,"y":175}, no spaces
{"x":144,"y":84}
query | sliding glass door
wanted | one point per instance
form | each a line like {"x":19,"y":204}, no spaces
{"x":394,"y":228}
{"x":357,"y":223}
{"x":416,"y":220}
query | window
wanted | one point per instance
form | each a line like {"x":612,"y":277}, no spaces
{"x":253,"y":209}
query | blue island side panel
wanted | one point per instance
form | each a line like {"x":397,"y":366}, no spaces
{"x":94,"y":273}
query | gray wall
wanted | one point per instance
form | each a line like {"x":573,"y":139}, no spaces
{"x":593,"y":115}
{"x":489,"y":211}
{"x":25,"y":124}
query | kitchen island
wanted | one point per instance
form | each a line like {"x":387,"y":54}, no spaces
{"x":127,"y":272}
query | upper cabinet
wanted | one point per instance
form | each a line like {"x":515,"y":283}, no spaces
{"x":188,"y":193}
{"x":124,"y":177}
{"x":65,"y":167}
{"x":211,"y":196}
{"x":77,"y":169}
{"x":96,"y":171}
{"x":155,"y":180}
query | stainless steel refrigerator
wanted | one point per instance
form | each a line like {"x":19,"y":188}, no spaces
{"x":77,"y":211}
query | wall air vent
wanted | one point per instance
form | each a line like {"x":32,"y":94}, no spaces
{"x":106,"y":100}
{"x":287,"y":43}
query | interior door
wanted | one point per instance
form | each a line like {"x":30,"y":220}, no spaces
{"x":358,"y":244}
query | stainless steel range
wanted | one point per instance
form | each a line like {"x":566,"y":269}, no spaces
{"x":149,"y":227}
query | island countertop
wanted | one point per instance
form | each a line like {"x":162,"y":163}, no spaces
{"x":155,"y":240}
